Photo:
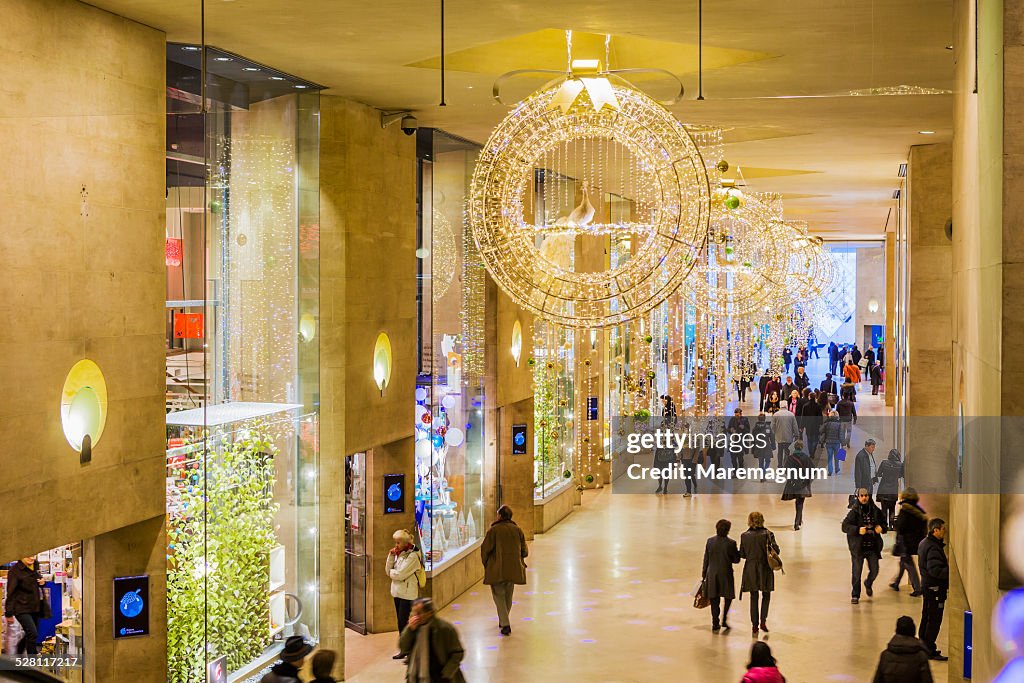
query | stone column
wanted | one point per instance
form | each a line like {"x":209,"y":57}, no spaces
{"x":890,"y":318}
{"x":367,"y":286}
{"x":930,"y":326}
{"x":139,"y":549}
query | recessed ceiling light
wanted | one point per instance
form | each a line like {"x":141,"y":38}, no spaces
{"x":301,"y":86}
{"x":249,"y":68}
{"x":470,"y":87}
{"x":190,"y":48}
{"x":276,"y":78}
{"x":222,"y":59}
{"x":926,"y":132}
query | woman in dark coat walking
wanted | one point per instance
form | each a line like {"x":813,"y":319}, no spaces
{"x":758,"y":577}
{"x":876,"y":378}
{"x":720,"y":554}
{"x":911,"y":528}
{"x":889,"y":474}
{"x":798,"y":489}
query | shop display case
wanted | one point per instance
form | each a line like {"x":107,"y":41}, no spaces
{"x":448,"y":411}
{"x":242,"y":558}
{"x":554,"y":368}
{"x":242,"y":257}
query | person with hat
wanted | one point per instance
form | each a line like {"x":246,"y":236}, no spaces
{"x":436,"y":651}
{"x":287,"y":670}
{"x":864,"y":527}
{"x":911,"y":528}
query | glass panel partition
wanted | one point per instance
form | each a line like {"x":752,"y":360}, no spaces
{"x":242,"y":254}
{"x":448,"y":412}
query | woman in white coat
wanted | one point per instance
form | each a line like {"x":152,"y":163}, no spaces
{"x":402,"y":565}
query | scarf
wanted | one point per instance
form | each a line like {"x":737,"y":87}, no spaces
{"x":419,"y":660}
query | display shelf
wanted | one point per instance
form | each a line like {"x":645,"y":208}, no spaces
{"x":277,"y":568}
{"x":227,"y":413}
{"x":278,"y":613}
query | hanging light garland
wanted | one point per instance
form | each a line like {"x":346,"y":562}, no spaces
{"x":609,"y":138}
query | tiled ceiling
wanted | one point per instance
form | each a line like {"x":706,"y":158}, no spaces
{"x":836,"y":91}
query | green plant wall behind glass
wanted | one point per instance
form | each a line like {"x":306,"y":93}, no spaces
{"x":218,"y":587}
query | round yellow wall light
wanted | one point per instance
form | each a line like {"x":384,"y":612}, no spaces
{"x":382,"y":361}
{"x":517,"y":341}
{"x":83,"y":404}
{"x":307,"y":327}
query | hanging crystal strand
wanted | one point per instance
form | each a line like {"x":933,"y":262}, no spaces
{"x":568,"y":51}
{"x":549,"y":164}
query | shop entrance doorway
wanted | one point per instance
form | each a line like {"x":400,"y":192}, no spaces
{"x":356,"y":561}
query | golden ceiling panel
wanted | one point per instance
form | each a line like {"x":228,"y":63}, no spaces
{"x":545,"y":49}
{"x":749,"y":172}
{"x":755,"y":133}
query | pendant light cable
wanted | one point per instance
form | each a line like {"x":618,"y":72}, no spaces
{"x":700,"y":49}
{"x":443,"y":103}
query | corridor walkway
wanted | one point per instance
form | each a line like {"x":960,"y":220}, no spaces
{"x":610,"y":597}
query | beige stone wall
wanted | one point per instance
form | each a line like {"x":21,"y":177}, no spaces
{"x":82,"y":129}
{"x":979,"y":197}
{"x":131,"y":551}
{"x":929,"y":319}
{"x":367,"y":285}
{"x":82,"y":237}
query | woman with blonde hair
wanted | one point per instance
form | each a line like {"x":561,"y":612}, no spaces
{"x":402,"y":565}
{"x":758,"y":577}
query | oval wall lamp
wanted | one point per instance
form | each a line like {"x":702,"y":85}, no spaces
{"x":307,"y":327}
{"x":83,"y":407}
{"x":382,"y":361}
{"x":517,"y":341}
{"x":873,"y":305}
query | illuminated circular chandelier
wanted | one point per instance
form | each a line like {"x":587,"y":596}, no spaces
{"x":587,"y":156}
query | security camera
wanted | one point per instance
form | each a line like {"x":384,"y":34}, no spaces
{"x":407,"y":122}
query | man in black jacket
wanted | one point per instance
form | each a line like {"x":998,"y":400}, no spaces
{"x":864,"y":526}
{"x":828,"y":385}
{"x":931,"y":559}
{"x":906,"y":658}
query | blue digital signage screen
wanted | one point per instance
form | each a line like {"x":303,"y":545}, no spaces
{"x":519,"y":439}
{"x":131,"y":606}
{"x":394,"y":493}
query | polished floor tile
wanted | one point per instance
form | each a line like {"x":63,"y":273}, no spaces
{"x":609,"y":598}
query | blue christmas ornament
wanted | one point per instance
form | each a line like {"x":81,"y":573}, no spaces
{"x":1010,"y":622}
{"x":438,"y":440}
{"x":1012,"y":672}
